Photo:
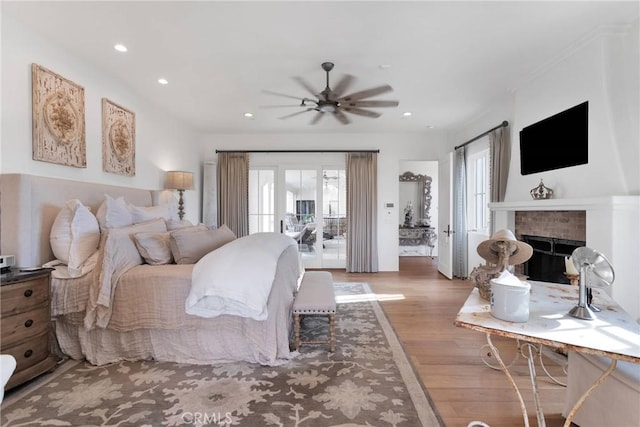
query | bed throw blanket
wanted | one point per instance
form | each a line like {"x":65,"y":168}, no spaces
{"x":236,"y":279}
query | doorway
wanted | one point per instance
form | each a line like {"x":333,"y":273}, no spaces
{"x":418,"y":209}
{"x":304,"y":200}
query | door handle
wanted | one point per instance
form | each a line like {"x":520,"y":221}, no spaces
{"x":448,"y":231}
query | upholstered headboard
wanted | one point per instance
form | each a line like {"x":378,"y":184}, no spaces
{"x":29,"y":205}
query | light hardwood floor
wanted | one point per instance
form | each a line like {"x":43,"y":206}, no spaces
{"x":447,"y":358}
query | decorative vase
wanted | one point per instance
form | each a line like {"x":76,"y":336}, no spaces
{"x":541,"y":192}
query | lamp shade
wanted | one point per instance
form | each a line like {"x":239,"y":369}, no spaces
{"x":178,"y":180}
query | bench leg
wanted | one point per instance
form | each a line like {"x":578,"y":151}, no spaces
{"x":332,"y":332}
{"x":296,"y":331}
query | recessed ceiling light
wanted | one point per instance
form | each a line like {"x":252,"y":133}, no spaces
{"x":384,"y":66}
{"x":248,"y":115}
{"x":163,"y":81}
{"x":407,"y":114}
{"x":429,"y":126}
{"x":120,"y":47}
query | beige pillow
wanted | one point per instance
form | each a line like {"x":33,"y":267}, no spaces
{"x":175,"y":224}
{"x":154,"y":247}
{"x":188,"y":246}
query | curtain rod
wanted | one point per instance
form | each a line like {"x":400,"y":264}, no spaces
{"x":501,"y":125}
{"x":297,"y":151}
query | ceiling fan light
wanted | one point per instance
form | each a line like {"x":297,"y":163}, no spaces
{"x":327,"y":108}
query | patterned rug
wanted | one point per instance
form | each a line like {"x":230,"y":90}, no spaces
{"x":368,"y":381}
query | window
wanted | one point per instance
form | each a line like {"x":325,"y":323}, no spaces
{"x":261,"y":200}
{"x":478,"y":190}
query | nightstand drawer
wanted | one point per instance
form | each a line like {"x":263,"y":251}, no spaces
{"x":23,"y":326}
{"x":21,"y":297}
{"x":31,"y":352}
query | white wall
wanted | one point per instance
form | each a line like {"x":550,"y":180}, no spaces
{"x":160,"y":139}
{"x":601,"y":69}
{"x":393,"y":147}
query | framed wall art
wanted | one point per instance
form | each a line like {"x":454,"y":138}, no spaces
{"x":58,"y":119}
{"x":118,"y":139}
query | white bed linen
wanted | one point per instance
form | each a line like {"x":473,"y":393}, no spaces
{"x":236,"y":279}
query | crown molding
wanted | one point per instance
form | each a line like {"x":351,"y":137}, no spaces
{"x":600,"y":32}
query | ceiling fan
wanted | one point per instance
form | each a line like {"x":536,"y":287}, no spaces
{"x":333,"y":101}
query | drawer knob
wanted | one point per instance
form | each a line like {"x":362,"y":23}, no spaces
{"x":28,"y":293}
{"x":28,"y":353}
{"x":28,"y":323}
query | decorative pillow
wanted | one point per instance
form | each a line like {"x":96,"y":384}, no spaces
{"x":74,"y":235}
{"x":154,"y":247}
{"x":175,"y":224}
{"x":114,"y":213}
{"x":147,"y":213}
{"x":188,"y":246}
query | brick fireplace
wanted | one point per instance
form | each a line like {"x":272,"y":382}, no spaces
{"x":570,"y":225}
{"x":610,"y":225}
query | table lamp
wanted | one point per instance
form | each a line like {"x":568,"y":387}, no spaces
{"x":179,"y":180}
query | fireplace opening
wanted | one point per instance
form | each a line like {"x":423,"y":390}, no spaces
{"x":547,"y":262}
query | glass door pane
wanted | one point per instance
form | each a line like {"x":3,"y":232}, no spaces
{"x":300,"y":220}
{"x":334,"y":218}
{"x":261,"y":200}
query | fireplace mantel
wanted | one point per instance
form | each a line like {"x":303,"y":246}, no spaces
{"x":612,"y":227}
{"x":594,"y":203}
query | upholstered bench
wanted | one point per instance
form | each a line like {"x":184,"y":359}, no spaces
{"x":315,"y":298}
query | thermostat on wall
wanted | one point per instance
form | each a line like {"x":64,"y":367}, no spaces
{"x":388,"y":205}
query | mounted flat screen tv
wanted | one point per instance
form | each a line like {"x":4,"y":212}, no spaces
{"x":556,"y":142}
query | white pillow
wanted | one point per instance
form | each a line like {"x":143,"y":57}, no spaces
{"x":147,"y":213}
{"x":114,"y":213}
{"x":74,"y":236}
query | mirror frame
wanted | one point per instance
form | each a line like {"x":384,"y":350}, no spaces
{"x":425,"y":181}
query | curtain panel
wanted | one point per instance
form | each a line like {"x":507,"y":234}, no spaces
{"x":362,"y":202}
{"x":499,"y":158}
{"x":459,"y":261}
{"x":233,"y":192}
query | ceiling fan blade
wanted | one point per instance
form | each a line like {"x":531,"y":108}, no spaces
{"x":317,"y":118}
{"x":342,"y":86}
{"x":361,"y":112}
{"x":299,"y":98}
{"x":342,"y":118}
{"x":307,"y":86}
{"x":370,"y":104}
{"x":296,"y":113}
{"x":367,"y":93}
{"x":278,"y":106}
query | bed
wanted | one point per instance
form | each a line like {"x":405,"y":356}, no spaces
{"x":142,"y":315}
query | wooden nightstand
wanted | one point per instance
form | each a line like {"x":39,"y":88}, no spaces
{"x":26,"y":323}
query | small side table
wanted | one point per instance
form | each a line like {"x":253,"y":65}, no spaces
{"x":25,"y":308}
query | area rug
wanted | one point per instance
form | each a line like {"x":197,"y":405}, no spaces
{"x":368,"y":381}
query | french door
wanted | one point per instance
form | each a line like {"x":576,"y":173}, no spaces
{"x":308,"y":203}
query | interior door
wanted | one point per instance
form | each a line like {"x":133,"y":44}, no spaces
{"x":445,"y":215}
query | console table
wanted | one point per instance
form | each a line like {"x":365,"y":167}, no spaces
{"x":613,"y":334}
{"x":415,"y":236}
